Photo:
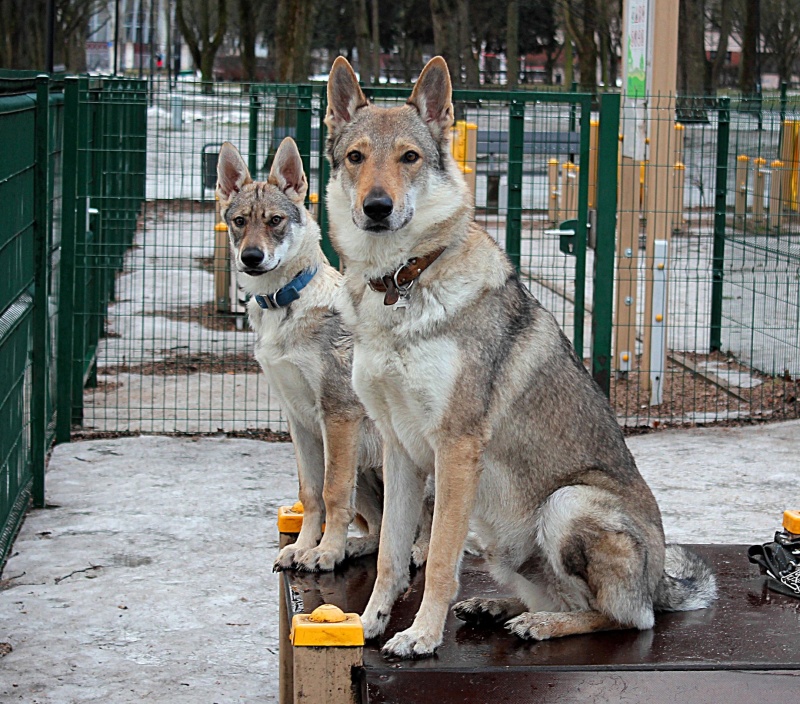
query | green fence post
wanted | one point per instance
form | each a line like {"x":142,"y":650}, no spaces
{"x":303,"y":133}
{"x":580,"y":234}
{"x":516,"y":145}
{"x":606,"y":223}
{"x":40,"y":358}
{"x":252,"y":136}
{"x":324,"y":175}
{"x":66,"y":303}
{"x":720,"y":214}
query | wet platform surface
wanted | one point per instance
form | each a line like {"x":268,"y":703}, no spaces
{"x":742,"y":649}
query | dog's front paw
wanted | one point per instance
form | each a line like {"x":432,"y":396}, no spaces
{"x":318,"y":559}
{"x":287,"y":557}
{"x":374,"y":624}
{"x":411,"y":643}
{"x":530,"y":626}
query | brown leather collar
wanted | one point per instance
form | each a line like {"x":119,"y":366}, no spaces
{"x":400,"y":281}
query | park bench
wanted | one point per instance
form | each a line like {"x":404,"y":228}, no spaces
{"x":745,"y":648}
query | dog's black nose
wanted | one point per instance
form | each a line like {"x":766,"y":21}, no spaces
{"x":378,"y":205}
{"x":252,"y":257}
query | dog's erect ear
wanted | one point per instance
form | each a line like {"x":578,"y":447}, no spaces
{"x":433,"y":96}
{"x":232,"y":173}
{"x":344,"y":94}
{"x":287,"y":171}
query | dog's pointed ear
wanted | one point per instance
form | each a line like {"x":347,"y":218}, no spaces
{"x":344,"y":94}
{"x":287,"y":171}
{"x":232,"y":173}
{"x":433,"y":96}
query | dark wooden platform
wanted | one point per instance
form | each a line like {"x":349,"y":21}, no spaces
{"x":746,"y":648}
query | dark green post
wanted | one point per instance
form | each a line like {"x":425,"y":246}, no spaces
{"x":324,"y":175}
{"x":784,"y":88}
{"x":720,"y":213}
{"x":606,"y":222}
{"x":516,"y":146}
{"x":66,"y":306}
{"x":580,"y":234}
{"x":303,"y":137}
{"x":252,"y":136}
{"x":40,"y":358}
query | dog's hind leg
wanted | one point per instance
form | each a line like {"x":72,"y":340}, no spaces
{"x":457,"y":475}
{"x":422,"y":543}
{"x":542,"y":625}
{"x":404,"y":485}
{"x":369,"y":506}
{"x":311,"y":476}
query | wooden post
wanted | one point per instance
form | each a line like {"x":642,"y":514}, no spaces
{"x":790,"y":158}
{"x":222,"y":264}
{"x":662,"y":60}
{"x":759,"y":174}
{"x":740,"y":200}
{"x":594,"y":131}
{"x":290,"y":521}
{"x":775,"y":194}
{"x":569,"y":190}
{"x":627,"y":267}
{"x":678,"y":182}
{"x":680,"y":134}
{"x":553,"y":210}
{"x":327,"y":645}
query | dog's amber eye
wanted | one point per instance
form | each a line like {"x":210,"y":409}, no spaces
{"x":239,"y":222}
{"x":275,"y":220}
{"x":355,"y":157}
{"x":410,"y":157}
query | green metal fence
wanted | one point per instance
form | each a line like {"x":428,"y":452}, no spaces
{"x":57,"y":265}
{"x":120,"y":315}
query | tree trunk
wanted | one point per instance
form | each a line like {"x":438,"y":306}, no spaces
{"x":748,"y":74}
{"x":691,"y":40}
{"x":512,"y":44}
{"x":445,"y":35}
{"x":207,"y":70}
{"x":247,"y":39}
{"x":469,"y":60}
{"x":588,"y":48}
{"x":726,"y":23}
{"x":376,"y":45}
{"x":362,"y":39}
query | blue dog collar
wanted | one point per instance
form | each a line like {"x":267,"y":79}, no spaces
{"x":286,"y":295}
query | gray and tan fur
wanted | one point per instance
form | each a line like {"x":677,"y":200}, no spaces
{"x":306,"y":354}
{"x":475,"y":383}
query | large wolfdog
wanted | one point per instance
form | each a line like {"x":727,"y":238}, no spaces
{"x":467,"y":376}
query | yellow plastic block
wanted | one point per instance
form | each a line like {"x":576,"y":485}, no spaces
{"x":290,"y":518}
{"x":221,"y":227}
{"x":791,"y":521}
{"x":327,"y":626}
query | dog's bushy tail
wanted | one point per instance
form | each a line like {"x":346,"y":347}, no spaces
{"x":687,"y":584}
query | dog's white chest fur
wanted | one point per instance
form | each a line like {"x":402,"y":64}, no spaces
{"x":408,"y":384}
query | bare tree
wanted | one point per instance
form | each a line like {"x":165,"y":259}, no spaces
{"x":780,"y":27}
{"x":579,"y":19}
{"x":362,"y":40}
{"x":444,"y":14}
{"x":512,"y":44}
{"x":203,"y":24}
{"x":748,"y":69}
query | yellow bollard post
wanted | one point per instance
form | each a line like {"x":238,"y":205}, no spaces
{"x":290,"y":521}
{"x":790,"y":156}
{"x":680,"y":132}
{"x":222,"y":265}
{"x":553,"y":209}
{"x":678,"y":179}
{"x":740,"y":201}
{"x":775,"y":194}
{"x":327,"y":645}
{"x":569,"y":190}
{"x":464,"y":148}
{"x":759,"y":174}
{"x":594,"y":132}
